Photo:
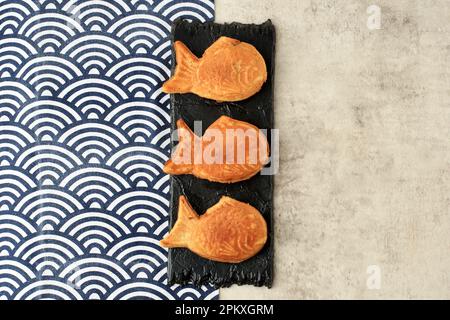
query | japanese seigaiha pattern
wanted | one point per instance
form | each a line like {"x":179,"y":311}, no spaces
{"x":84,"y":133}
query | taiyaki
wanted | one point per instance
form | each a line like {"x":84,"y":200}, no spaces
{"x":229,"y":151}
{"x":230,"y":231}
{"x":229,"y":70}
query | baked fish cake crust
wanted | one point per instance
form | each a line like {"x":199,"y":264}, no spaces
{"x":230,"y":231}
{"x":244,"y":151}
{"x":229,"y":70}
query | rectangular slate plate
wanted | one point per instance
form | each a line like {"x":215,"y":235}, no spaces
{"x":185,"y":266}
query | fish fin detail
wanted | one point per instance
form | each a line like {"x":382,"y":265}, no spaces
{"x":220,"y":43}
{"x":181,"y":125}
{"x":182,"y":161}
{"x":171,"y":167}
{"x":179,"y":235}
{"x":187,"y":64}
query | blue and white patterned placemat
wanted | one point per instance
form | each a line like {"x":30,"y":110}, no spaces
{"x":84,"y":133}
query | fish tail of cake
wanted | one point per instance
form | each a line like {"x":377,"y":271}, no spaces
{"x":174,"y":168}
{"x":187,"y":64}
{"x":179,"y":235}
{"x":182,"y":160}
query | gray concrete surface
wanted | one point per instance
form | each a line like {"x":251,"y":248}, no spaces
{"x":364,"y":117}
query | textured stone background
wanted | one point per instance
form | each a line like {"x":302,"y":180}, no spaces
{"x":364,"y":117}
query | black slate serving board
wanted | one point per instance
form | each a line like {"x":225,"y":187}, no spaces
{"x":184,"y":266}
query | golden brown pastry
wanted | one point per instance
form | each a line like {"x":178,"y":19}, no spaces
{"x":229,"y":151}
{"x":230,"y":231}
{"x":229,"y":70}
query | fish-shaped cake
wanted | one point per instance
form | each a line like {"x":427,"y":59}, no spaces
{"x":229,"y":151}
{"x":229,"y":70}
{"x":230,"y":231}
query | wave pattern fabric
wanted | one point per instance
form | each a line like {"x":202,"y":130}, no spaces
{"x":84,"y":134}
